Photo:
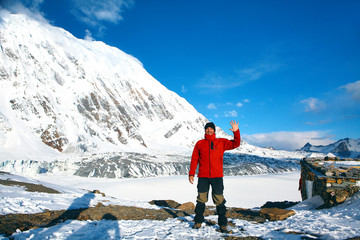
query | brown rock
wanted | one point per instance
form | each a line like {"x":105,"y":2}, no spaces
{"x":47,"y":213}
{"x":98,"y":192}
{"x":10,"y":222}
{"x":165,"y":203}
{"x":342,"y":195}
{"x":275,"y":214}
{"x":186,"y":206}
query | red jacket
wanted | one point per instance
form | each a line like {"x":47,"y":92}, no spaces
{"x":208,"y":153}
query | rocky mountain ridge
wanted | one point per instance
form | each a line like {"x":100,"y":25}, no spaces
{"x":343,"y":148}
{"x":140,"y":165}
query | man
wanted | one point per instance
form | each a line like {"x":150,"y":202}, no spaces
{"x":208,"y":154}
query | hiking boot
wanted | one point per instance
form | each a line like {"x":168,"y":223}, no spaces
{"x":196,"y":226}
{"x":224,"y":229}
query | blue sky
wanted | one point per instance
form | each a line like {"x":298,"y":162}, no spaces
{"x":288,"y":71}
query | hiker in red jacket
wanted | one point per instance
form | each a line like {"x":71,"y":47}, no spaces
{"x":208,"y":154}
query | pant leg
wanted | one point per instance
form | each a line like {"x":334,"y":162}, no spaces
{"x":221,"y":212}
{"x":217,"y":191}
{"x":199,"y":212}
{"x":203,"y":191}
{"x":217,"y":187}
{"x":203,"y":187}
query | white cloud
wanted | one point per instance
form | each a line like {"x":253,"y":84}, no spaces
{"x":353,"y":89}
{"x":288,"y":140}
{"x":88,"y":36}
{"x":335,"y":104}
{"x":228,"y":104}
{"x":211,"y":106}
{"x":312,"y":104}
{"x":94,"y":12}
{"x":29,"y":8}
{"x":231,"y":114}
{"x":240,"y":104}
{"x":321,"y":122}
{"x":214,"y":82}
{"x":217,"y":82}
{"x":252,"y":74}
{"x":183,"y":89}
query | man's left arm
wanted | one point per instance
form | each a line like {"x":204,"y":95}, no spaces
{"x":237,"y":139}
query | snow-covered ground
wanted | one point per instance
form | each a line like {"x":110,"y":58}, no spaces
{"x":239,"y":191}
{"x":341,"y":222}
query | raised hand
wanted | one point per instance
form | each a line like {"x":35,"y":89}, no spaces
{"x":234,"y":125}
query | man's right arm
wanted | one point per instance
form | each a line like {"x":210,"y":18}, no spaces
{"x":191,"y":179}
{"x":193,"y":163}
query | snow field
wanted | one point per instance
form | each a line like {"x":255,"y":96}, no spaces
{"x":341,"y":222}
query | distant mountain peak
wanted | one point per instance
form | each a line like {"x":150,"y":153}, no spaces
{"x":344,"y":148}
{"x":306,"y":146}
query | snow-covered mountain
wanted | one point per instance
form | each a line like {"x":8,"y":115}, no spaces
{"x":84,"y":105}
{"x":83,"y":96}
{"x":60,"y":94}
{"x":344,"y":148}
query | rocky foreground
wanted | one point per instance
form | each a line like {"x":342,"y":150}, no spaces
{"x":168,"y":209}
{"x":11,"y":222}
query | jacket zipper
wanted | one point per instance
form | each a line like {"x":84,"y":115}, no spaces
{"x":209,"y":159}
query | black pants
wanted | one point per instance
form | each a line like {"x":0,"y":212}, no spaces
{"x":217,"y":191}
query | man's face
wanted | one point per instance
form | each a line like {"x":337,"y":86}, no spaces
{"x":209,"y":131}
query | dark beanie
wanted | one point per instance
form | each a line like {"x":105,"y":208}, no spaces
{"x":210,"y":124}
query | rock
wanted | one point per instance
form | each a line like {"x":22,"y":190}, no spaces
{"x":245,"y":214}
{"x":343,"y":194}
{"x":10,"y":222}
{"x":98,"y":192}
{"x":282,"y":205}
{"x":29,"y":187}
{"x":165,"y":203}
{"x":173,"y":204}
{"x":186,"y":206}
{"x":329,"y":174}
{"x":47,"y":213}
{"x":275,"y":214}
